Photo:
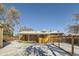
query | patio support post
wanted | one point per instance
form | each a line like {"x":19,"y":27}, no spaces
{"x":58,"y":41}
{"x":38,"y":38}
{"x":49,"y":38}
{"x":19,"y":37}
{"x":28,"y":37}
{"x":53,"y":41}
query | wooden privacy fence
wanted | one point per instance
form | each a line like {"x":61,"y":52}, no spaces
{"x":1,"y":36}
{"x":66,"y":39}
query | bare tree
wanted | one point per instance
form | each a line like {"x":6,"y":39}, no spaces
{"x":25,"y":29}
{"x":76,"y":16}
{"x":8,"y":18}
{"x":12,"y":16}
{"x":2,"y":11}
{"x":75,"y":27}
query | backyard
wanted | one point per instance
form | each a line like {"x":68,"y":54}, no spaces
{"x":16,"y":48}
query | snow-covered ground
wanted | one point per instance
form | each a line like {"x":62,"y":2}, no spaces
{"x":68,"y":47}
{"x":14,"y":49}
{"x":31,"y":49}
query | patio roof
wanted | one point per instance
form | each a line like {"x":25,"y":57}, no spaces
{"x":33,"y":32}
{"x":36,"y":32}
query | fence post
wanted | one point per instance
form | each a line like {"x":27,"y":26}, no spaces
{"x":72,"y":48}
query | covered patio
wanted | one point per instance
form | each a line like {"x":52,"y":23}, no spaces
{"x":39,"y":37}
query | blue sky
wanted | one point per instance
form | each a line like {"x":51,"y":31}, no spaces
{"x":46,"y":16}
